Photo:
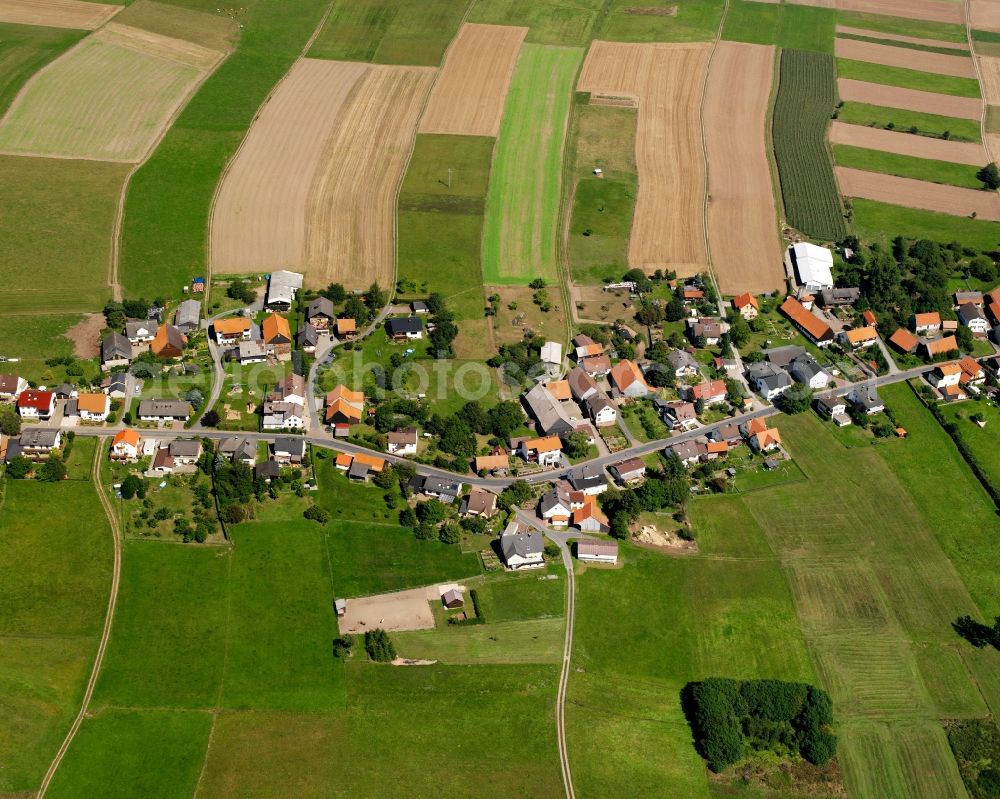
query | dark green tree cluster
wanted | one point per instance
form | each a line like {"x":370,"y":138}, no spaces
{"x":445,"y":330}
{"x":516,"y":494}
{"x":518,"y":361}
{"x":241,"y":290}
{"x":732,"y":718}
{"x":379,"y":646}
{"x":976,"y":633}
{"x":662,"y":489}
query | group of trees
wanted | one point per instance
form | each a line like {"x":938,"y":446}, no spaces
{"x":978,"y":634}
{"x":444,"y":329}
{"x":456,"y":433}
{"x":117,"y":313}
{"x":379,"y":646}
{"x":731,"y":719}
{"x":661,"y":489}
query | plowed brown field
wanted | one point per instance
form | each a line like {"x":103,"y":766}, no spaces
{"x":667,"y":229}
{"x":911,"y":99}
{"x":918,"y":194}
{"x":895,"y":37}
{"x":985,"y":14}
{"x":468,"y":97}
{"x":742,"y":220}
{"x":259,"y":222}
{"x":352,"y":204}
{"x":57,"y":13}
{"x":907,"y":144}
{"x":956,"y":65}
{"x":990,"y":67}
{"x":930,"y":10}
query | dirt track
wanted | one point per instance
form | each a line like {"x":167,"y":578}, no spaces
{"x":469,"y":95}
{"x":888,"y":55}
{"x":907,"y":144}
{"x":352,"y":205}
{"x":910,"y":99}
{"x":259,"y":221}
{"x":57,"y":13}
{"x":742,"y":220}
{"x":667,"y":229}
{"x":990,"y":83}
{"x":895,"y":37}
{"x":918,"y":194}
{"x":930,"y":10}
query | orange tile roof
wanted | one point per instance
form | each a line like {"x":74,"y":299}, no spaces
{"x":948,"y":368}
{"x":274,"y":326}
{"x":344,"y":408}
{"x":590,"y":510}
{"x":344,"y":460}
{"x":810,"y":323}
{"x":546,"y":444}
{"x":904,"y":339}
{"x":860,"y":334}
{"x":745,"y":299}
{"x":931,"y":318}
{"x":342,"y":392}
{"x":870,"y":318}
{"x":946,"y":344}
{"x":346,"y":326}
{"x":127,"y":436}
{"x":625,"y":373}
{"x":713,"y":388}
{"x":232,"y":326}
{"x":490,"y":462}
{"x":767,"y":437}
{"x":559,"y":389}
{"x":952,"y":391}
{"x":693,"y":293}
{"x":717,"y":447}
{"x":755,"y":426}
{"x":92,"y":403}
{"x":970,"y":366}
{"x":373,"y":462}
{"x":592,"y":349}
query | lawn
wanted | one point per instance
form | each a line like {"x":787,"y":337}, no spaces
{"x":67,"y":242}
{"x":903,"y":26}
{"x":980,"y":440}
{"x":536,"y":641}
{"x":882,"y":222}
{"x":522,"y":205}
{"x":907,"y":78}
{"x":563,"y":22}
{"x":128,"y":753}
{"x":643,"y":21}
{"x":902,"y":120}
{"x":797,"y":26}
{"x":907,"y":166}
{"x":26,"y":49}
{"x":34,"y":338}
{"x":602,"y":137}
{"x":55,"y":574}
{"x":413,"y":32}
{"x":516,"y":597}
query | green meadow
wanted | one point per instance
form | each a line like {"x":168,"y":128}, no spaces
{"x":903,"y":120}
{"x":797,"y":26}
{"x":907,"y":78}
{"x":907,"y":166}
{"x":643,"y":21}
{"x":905,"y":26}
{"x":561,"y":22}
{"x":883,"y":222}
{"x":26,"y":49}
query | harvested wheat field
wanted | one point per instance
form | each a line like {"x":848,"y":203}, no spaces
{"x":918,"y":194}
{"x":859,"y":91}
{"x":939,"y":63}
{"x":468,"y":97}
{"x":57,"y":13}
{"x":990,"y":83}
{"x":896,"y":37}
{"x":742,"y":219}
{"x":109,"y":98}
{"x":667,"y":229}
{"x":985,"y":15}
{"x":907,"y":144}
{"x":259,"y":221}
{"x":351,"y":210}
{"x":929,"y":10}
{"x":815,"y":3}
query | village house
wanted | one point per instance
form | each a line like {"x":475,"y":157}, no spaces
{"x":972,"y":317}
{"x":185,"y":451}
{"x":559,"y":389}
{"x":231,"y":330}
{"x":904,"y":341}
{"x":156,"y":410}
{"x":522,"y":551}
{"x":549,"y":415}
{"x":319,"y":313}
{"x":267,"y":470}
{"x":992,"y":365}
{"x":834,"y":408}
{"x":307,"y":338}
{"x":728,"y":432}
{"x":676,"y":413}
{"x":492,"y":464}
{"x":858,"y":337}
{"x":405,"y":328}
{"x":115,"y":385}
{"x":969,"y":298}
{"x":277,"y":336}
{"x":581,"y":385}
{"x":163,"y":462}
{"x":588,"y":479}
{"x":692,"y":294}
{"x":402,"y":442}
{"x":866,"y":399}
{"x":972,"y":372}
{"x":116,"y":350}
{"x":37,"y":443}
{"x":944,"y":375}
{"x":589,"y":518}
{"x":628,"y":471}
{"x":869,"y":318}
{"x":687,"y":452}
{"x":343,"y":409}
{"x":480,"y":503}
{"x":35,"y":404}
{"x":11,"y":386}
{"x":281,"y":415}
{"x":746,"y":305}
{"x":291,"y":388}
{"x":282,"y":287}
{"x":555,"y":507}
{"x":601,"y":410}
{"x":814,"y":328}
{"x":288,"y":449}
{"x":188,"y":316}
{"x":168,"y":343}
{"x":125,"y":445}
{"x":836,"y":297}
{"x":140,"y":331}
{"x":716,"y":449}
{"x":768,"y":380}
{"x":628,"y":381}
{"x":710,"y":330}
{"x":347,"y":328}
{"x":247,"y":352}
{"x":445,"y":490}
{"x":596,"y":365}
{"x":545,"y":451}
{"x":93,"y":407}
{"x":362,"y":466}
{"x":940,"y":346}
{"x":806,"y":369}
{"x":586,"y":347}
{"x":711,"y":393}
{"x":929,"y":322}
{"x":765,"y":440}
{"x":683,"y":363}
{"x":239,"y":449}
{"x":597,"y":551}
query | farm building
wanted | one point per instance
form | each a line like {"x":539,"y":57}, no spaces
{"x":590,"y":518}
{"x":941,"y":346}
{"x":277,"y":336}
{"x":814,"y":328}
{"x":116,"y":350}
{"x":926,"y":322}
{"x":347,"y":328}
{"x":904,"y":341}
{"x":153,"y":410}
{"x":835,"y":297}
{"x":319,"y":313}
{"x":168,"y":342}
{"x":452,"y":599}
{"x":281,"y":289}
{"x":547,"y":411}
{"x":813,"y":265}
{"x":188,"y":316}
{"x":628,"y":380}
{"x":551,"y":355}
{"x":597,"y":551}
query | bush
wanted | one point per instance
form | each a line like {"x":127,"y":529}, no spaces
{"x":19,"y":467}
{"x":52,"y":471}
{"x":317,"y":514}
{"x":379,"y":646}
{"x":449,"y":534}
{"x":131,"y":486}
{"x":342,"y":646}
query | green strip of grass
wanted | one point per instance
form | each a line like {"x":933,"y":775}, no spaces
{"x":793,"y":26}
{"x":563,"y":22}
{"x":883,"y":222}
{"x":903,"y":120}
{"x":906,"y":166}
{"x":694,"y":21}
{"x":924,"y":48}
{"x":25,"y":49}
{"x":164,"y":240}
{"x":903,"y":26}
{"x":907,"y":78}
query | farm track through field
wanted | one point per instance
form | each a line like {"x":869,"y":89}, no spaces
{"x":108,"y":619}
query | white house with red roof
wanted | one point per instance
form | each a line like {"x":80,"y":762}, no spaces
{"x":35,"y":404}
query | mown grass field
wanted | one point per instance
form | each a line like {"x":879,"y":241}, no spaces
{"x":882,"y":222}
{"x":520,"y":233}
{"x":26,"y":49}
{"x":55,"y":573}
{"x":906,"y":166}
{"x":204,"y":26}
{"x":638,"y":21}
{"x":807,"y":93}
{"x":536,"y":641}
{"x":981,"y":440}
{"x":796,"y":26}
{"x":924,"y":48}
{"x":414,"y":32}
{"x":903,"y":120}
{"x":904,"y":26}
{"x":907,"y":78}
{"x":561,"y":22}
{"x":601,"y":136}
{"x":165,"y":227}
{"x":34,"y":338}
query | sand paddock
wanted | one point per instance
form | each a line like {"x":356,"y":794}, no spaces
{"x":667,"y":229}
{"x":910,"y":99}
{"x":742,"y":219}
{"x":896,"y":37}
{"x":400,"y":610}
{"x":929,"y":10}
{"x":468,"y":97}
{"x":918,"y":194}
{"x":907,"y":144}
{"x":939,"y":63}
{"x":57,"y":13}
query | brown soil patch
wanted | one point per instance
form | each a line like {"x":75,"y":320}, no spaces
{"x":667,"y":229}
{"x":985,"y":14}
{"x":930,"y":10}
{"x":907,"y":144}
{"x":594,"y":304}
{"x":259,"y":222}
{"x":653,"y":537}
{"x":57,"y":13}
{"x":400,"y":610}
{"x":860,"y":91}
{"x":742,"y":219}
{"x":86,"y":336}
{"x":938,"y":63}
{"x":509,"y":326}
{"x":646,"y":11}
{"x":990,"y":67}
{"x":816,"y":3}
{"x":895,"y":37}
{"x":918,"y":194}
{"x":155,"y":44}
{"x":469,"y":95}
{"x":352,"y":204}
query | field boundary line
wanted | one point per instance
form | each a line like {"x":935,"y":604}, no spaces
{"x":966,"y":6}
{"x":108,"y":620}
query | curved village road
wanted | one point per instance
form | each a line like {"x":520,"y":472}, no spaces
{"x":108,"y":619}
